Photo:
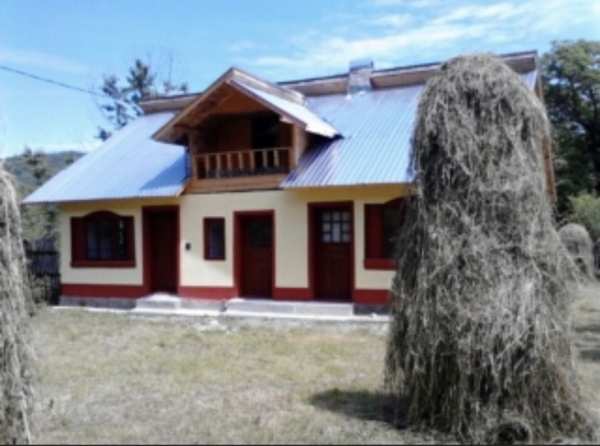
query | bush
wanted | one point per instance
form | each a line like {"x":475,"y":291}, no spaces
{"x":585,"y":210}
{"x":579,"y":244}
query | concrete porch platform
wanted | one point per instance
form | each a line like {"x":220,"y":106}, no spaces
{"x":170,"y":305}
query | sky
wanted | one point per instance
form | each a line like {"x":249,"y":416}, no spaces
{"x":81,"y":41}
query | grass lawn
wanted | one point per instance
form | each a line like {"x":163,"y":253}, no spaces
{"x":114,"y":378}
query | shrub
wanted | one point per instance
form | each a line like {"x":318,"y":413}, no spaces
{"x":585,"y":210}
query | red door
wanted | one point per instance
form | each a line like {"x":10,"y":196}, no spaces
{"x":256,"y":265}
{"x":162,"y":245}
{"x":332,"y":262}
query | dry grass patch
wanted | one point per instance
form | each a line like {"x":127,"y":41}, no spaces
{"x":115,"y":378}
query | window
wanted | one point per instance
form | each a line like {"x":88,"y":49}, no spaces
{"x":335,"y":227}
{"x":259,"y":232}
{"x":102,"y":239}
{"x":382,"y":225}
{"x":214,"y":238}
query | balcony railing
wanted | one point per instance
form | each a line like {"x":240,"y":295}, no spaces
{"x":240,"y":163}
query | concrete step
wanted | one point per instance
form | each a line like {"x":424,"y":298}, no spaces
{"x":241,"y":305}
{"x":203,"y":305}
{"x":162,"y":302}
{"x":158,"y":302}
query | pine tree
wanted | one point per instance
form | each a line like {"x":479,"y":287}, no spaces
{"x":140,"y":83}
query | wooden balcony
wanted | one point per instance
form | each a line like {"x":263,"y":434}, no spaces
{"x":240,"y":169}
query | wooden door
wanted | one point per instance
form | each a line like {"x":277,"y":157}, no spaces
{"x":332,"y":238}
{"x":257,"y":256}
{"x":162,"y":233}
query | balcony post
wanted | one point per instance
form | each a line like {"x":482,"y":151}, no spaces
{"x":299,"y":143}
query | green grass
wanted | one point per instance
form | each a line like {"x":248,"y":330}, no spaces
{"x":113,"y":378}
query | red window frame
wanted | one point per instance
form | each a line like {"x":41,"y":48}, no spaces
{"x":79,"y":241}
{"x":375,"y":257}
{"x":208,"y":222}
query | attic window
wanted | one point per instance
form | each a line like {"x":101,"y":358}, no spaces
{"x":102,"y":239}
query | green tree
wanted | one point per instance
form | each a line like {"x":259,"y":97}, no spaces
{"x":140,"y":83}
{"x":571,"y":74}
{"x":38,"y":164}
{"x":586,"y":212}
{"x":38,"y":221}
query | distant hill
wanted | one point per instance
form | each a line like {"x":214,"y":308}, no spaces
{"x":24,"y":172}
{"x":31,"y":170}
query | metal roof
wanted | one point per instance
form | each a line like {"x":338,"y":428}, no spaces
{"x":313,"y":122}
{"x":377,"y":126}
{"x":128,"y":165}
{"x":375,"y":147}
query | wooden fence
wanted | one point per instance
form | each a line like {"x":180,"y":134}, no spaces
{"x":43,"y":268}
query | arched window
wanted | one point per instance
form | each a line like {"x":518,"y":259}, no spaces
{"x":382,"y":225}
{"x":102,"y":239}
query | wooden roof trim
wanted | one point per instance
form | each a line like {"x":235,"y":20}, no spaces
{"x":239,"y":86}
{"x":337,"y":84}
{"x":230,"y":75}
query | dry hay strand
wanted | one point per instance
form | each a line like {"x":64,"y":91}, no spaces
{"x":480,"y":343}
{"x":15,"y":378}
{"x":578,"y":243}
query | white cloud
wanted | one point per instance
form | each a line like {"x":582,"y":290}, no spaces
{"x":336,"y":52}
{"x":38,"y":59}
{"x":497,"y":11}
{"x":242,"y":45}
{"x":392,"y":20}
{"x":465,"y":25}
{"x":407,"y":3}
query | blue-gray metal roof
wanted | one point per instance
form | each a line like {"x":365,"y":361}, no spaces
{"x":128,"y":165}
{"x":375,"y":148}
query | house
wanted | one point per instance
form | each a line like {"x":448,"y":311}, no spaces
{"x":287,"y":191}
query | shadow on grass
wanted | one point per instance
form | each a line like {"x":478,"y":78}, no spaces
{"x":364,"y":405}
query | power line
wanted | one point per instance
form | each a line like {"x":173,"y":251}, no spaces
{"x":54,"y":82}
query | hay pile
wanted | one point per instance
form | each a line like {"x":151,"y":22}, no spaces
{"x":579,"y":244}
{"x":15,"y":379}
{"x":480,"y":345}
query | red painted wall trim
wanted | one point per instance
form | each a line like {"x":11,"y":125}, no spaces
{"x":312,"y":234}
{"x":103,"y":264}
{"x":237,"y":246}
{"x":371,"y":297}
{"x":384,"y":264}
{"x":205,"y":292}
{"x":280,"y":293}
{"x":96,"y":290}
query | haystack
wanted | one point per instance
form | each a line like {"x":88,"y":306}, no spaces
{"x":15,"y":379}
{"x":579,"y":244}
{"x":480,"y":344}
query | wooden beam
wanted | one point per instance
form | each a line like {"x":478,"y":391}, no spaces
{"x":299,"y":144}
{"x":258,"y":182}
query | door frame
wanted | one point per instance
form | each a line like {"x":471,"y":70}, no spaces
{"x":238,"y":216}
{"x":313,"y":233}
{"x":147,"y":212}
